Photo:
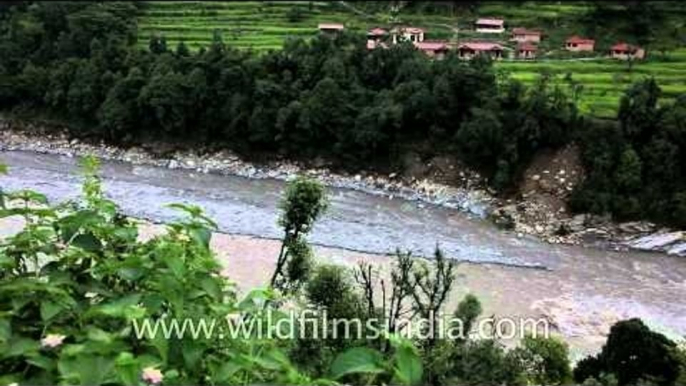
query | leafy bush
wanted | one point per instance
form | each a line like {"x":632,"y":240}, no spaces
{"x":75,"y":279}
{"x":545,"y":361}
{"x":633,"y":353}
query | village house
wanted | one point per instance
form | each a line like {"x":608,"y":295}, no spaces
{"x":490,"y":25}
{"x":526,"y":50}
{"x":330,"y":28}
{"x":522,"y":35}
{"x":626,"y":51}
{"x":376,"y":37}
{"x":433,"y":49}
{"x":469,"y":50}
{"x":410,"y":34}
{"x":578,"y":44}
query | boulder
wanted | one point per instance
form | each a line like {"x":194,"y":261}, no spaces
{"x":636,"y":227}
{"x":657,"y":242}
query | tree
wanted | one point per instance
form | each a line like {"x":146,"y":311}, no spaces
{"x":305,"y":201}
{"x":157,"y":44}
{"x":633,"y":353}
{"x":629,"y":171}
{"x":468,"y":310}
{"x":638,"y":112}
{"x":119,"y":113}
{"x":480,"y":138}
{"x":545,"y":361}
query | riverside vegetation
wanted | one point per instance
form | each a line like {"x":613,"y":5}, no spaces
{"x":77,"y":276}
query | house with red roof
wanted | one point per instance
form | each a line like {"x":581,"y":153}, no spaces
{"x":626,"y":51}
{"x":410,"y":34}
{"x":484,"y":25}
{"x":330,"y":28}
{"x":522,"y":35}
{"x":376,"y":37}
{"x":579,"y":44}
{"x":526,"y":50}
{"x":433,"y":48}
{"x":469,"y":50}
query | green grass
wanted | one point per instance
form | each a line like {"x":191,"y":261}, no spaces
{"x":262,"y":26}
{"x":604,"y":81}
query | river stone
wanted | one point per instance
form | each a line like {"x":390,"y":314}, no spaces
{"x":656,"y":242}
{"x":678,"y":249}
{"x":636,"y":227}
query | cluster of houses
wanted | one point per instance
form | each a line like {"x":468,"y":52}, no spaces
{"x":525,"y":42}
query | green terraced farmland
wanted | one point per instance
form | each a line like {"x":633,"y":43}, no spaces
{"x":604,"y":81}
{"x":256,"y":25}
{"x":262,"y":26}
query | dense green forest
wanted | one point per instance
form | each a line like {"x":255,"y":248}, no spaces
{"x":330,"y":97}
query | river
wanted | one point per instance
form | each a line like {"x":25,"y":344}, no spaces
{"x":582,"y":290}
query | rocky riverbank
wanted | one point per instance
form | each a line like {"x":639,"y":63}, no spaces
{"x":469,"y":198}
{"x":538,"y":211}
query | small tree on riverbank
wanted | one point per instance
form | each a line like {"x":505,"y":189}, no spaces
{"x":304,"y":203}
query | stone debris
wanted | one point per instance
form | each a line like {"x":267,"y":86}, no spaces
{"x":474,"y":201}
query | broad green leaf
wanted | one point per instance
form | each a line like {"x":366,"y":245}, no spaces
{"x":176,"y":264}
{"x":201,"y":236}
{"x":212,"y":287}
{"x":408,"y":366}
{"x":192,"y":352}
{"x":126,"y":307}
{"x":225,"y":371}
{"x":20,"y":347}
{"x":41,"y":361}
{"x":49,"y":308}
{"x":128,"y":369}
{"x":130,"y":274}
{"x":87,"y":242}
{"x":85,"y":369}
{"x":358,"y":360}
{"x":5,"y":330}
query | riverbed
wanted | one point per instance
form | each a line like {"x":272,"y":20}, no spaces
{"x":582,"y":291}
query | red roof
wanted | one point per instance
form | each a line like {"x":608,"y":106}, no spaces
{"x":377,"y":32}
{"x":526,"y":47}
{"x":428,"y":45}
{"x":579,"y":40}
{"x":481,"y":46}
{"x":495,"y":22}
{"x":411,"y":30}
{"x":524,"y":31}
{"x":331,"y":26}
{"x":624,"y":47}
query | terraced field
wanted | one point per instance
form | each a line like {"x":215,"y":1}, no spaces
{"x":244,"y":24}
{"x":605,"y":80}
{"x":262,"y":26}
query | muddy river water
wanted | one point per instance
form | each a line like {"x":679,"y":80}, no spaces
{"x":580,"y":290}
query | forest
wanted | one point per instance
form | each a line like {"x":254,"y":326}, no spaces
{"x":330,"y":97}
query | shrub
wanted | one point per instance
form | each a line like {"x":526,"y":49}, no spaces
{"x":633,"y":353}
{"x":76,"y":282}
{"x":545,"y":361}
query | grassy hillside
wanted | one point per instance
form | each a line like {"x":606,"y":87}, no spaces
{"x":262,"y":26}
